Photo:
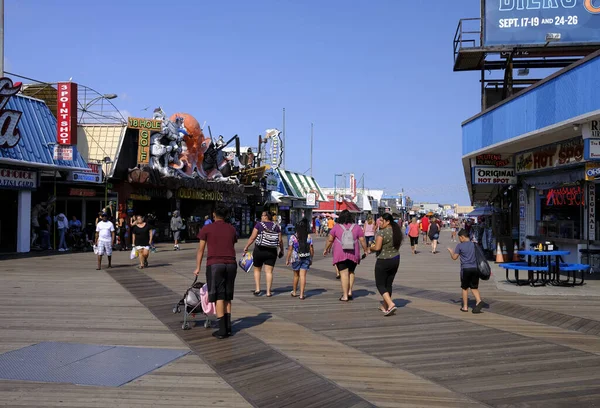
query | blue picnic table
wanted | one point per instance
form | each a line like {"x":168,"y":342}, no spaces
{"x":545,"y":268}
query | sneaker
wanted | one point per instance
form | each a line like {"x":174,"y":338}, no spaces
{"x":61,"y":250}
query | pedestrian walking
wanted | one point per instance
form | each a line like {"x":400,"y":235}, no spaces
{"x":387,"y":246}
{"x":434,"y":234}
{"x":413,"y":234}
{"x":300,"y":255}
{"x":221,"y":267}
{"x":62,"y":224}
{"x":123,"y":228}
{"x":151,"y":221}
{"x":424,"y":228}
{"x":469,"y":273}
{"x":346,"y":238}
{"x":176,"y":227}
{"x":370,"y":228}
{"x":267,"y":236}
{"x":141,"y":239}
{"x":105,"y":236}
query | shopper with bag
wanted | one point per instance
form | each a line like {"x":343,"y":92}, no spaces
{"x":469,"y":271}
{"x":141,"y":239}
{"x":105,"y":236}
{"x":266,"y":236}
{"x":346,"y":238}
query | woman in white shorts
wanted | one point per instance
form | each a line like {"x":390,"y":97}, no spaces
{"x":141,"y":239}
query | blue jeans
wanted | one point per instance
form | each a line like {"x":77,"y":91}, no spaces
{"x":303,"y":263}
{"x":370,"y":240}
{"x":62,"y":243}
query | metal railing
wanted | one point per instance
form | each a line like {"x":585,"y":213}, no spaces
{"x":468,"y":38}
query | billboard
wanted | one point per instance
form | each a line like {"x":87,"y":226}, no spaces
{"x":529,"y":22}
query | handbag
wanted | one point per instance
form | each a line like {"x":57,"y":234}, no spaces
{"x":482,"y":264}
{"x":267,"y":238}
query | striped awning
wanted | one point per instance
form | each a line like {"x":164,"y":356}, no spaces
{"x":298,"y":185}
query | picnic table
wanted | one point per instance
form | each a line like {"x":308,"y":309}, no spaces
{"x":544,"y":267}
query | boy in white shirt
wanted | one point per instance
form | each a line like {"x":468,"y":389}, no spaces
{"x":105,"y":236}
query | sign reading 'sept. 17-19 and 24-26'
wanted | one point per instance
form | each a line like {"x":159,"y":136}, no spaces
{"x":524,"y":22}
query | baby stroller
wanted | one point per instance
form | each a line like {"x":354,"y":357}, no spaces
{"x":195,"y":300}
{"x":77,"y":240}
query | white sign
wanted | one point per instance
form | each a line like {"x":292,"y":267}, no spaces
{"x":487,"y":175}
{"x":594,"y":149}
{"x":18,"y":179}
{"x":311,"y":199}
{"x":592,"y":211}
{"x":591,"y":129}
{"x":63,"y":153}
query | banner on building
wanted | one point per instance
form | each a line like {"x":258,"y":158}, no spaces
{"x":144,"y":147}
{"x":522,"y":216}
{"x":66,"y":113}
{"x":492,"y":160}
{"x":63,"y":153}
{"x":592,"y":211}
{"x":9,"y":119}
{"x":311,"y":199}
{"x":550,"y":156}
{"x":18,"y":179}
{"x":591,"y":150}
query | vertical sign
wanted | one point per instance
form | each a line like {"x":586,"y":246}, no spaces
{"x":67,"y":113}
{"x":144,"y":142}
{"x":522,"y":216}
{"x":592,"y":211}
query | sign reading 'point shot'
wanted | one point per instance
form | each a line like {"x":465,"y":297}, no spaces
{"x":487,"y":175}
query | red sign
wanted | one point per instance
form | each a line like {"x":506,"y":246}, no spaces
{"x":82,"y":192}
{"x":570,"y":196}
{"x":9,"y":119}
{"x":67,"y":113}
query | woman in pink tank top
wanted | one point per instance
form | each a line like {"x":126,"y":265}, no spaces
{"x":370,"y":228}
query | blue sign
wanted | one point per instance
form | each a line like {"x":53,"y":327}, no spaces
{"x":86,"y":177}
{"x":525,"y":22}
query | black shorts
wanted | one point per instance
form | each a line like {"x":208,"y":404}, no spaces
{"x":264,"y":256}
{"x":347,"y":264}
{"x":220,"y":279}
{"x":414,"y":240}
{"x":469,"y":278}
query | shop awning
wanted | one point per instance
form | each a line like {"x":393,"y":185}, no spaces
{"x":555,"y":179}
{"x":298,"y":185}
{"x":37,"y":127}
{"x":328,"y":206}
{"x":95,"y":142}
{"x":482,"y":211}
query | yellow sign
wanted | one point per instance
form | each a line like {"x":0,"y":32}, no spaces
{"x":142,"y":123}
{"x":139,"y":197}
{"x":144,"y":147}
{"x":250,"y":175}
{"x":203,"y":195}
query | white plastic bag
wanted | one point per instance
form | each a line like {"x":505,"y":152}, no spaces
{"x":133,"y":254}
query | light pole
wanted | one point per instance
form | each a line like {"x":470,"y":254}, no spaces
{"x":335,"y":176}
{"x":106,"y":161}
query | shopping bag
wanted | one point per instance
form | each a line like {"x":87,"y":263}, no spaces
{"x":134,"y":253}
{"x":246,"y":262}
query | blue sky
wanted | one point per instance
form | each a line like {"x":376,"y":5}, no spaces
{"x":375,"y":77}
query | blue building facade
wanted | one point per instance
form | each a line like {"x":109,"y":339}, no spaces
{"x":539,"y":149}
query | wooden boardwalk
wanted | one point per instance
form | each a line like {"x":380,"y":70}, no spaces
{"x":525,"y":351}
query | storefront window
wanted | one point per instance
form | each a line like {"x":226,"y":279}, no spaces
{"x":561,"y":212}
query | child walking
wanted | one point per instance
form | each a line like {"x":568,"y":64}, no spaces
{"x":469,"y":274}
{"x":300,"y":254}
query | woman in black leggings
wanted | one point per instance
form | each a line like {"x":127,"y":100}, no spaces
{"x":387,"y":245}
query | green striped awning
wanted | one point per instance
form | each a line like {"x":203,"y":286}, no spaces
{"x":298,"y":185}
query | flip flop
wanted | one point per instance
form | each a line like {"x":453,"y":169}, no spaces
{"x":350,"y":297}
{"x":302,"y":297}
{"x":463,"y":310}
{"x":269,"y":295}
{"x":390,"y":311}
{"x":256,"y":292}
{"x":292,"y":293}
{"x":343,"y":300}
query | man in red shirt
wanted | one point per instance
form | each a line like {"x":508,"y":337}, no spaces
{"x":425,"y":228}
{"x":221,"y":267}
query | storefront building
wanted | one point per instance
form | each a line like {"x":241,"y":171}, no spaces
{"x":29,"y":167}
{"x":302,"y":195}
{"x":540,"y":150}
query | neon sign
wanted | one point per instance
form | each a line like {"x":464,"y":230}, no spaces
{"x":565,"y":196}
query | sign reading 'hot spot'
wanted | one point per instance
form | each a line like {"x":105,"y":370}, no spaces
{"x":487,"y":175}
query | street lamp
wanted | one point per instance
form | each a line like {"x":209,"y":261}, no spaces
{"x":335,"y":176}
{"x":106,"y":161}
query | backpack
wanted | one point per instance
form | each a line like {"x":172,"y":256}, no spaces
{"x":347,"y":240}
{"x":267,"y":238}
{"x":482,"y":264}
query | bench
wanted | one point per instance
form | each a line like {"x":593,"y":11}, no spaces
{"x":531,"y":269}
{"x":545,"y":274}
{"x":572,"y":268}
